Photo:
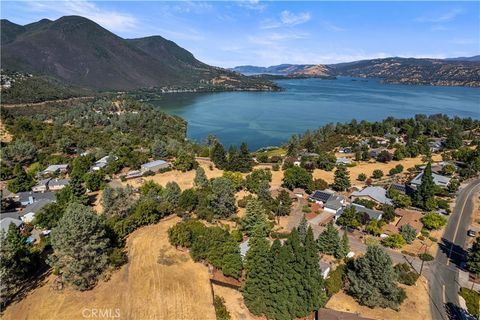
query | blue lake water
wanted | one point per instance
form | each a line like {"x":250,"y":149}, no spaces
{"x":270,"y":118}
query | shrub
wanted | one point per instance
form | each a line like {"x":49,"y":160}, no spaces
{"x":408,"y":253}
{"x":221,"y":311}
{"x":362,"y":177}
{"x":405,"y":275}
{"x":433,"y":221}
{"x":377,"y":174}
{"x":276,"y":167}
{"x":306,"y":209}
{"x":242,"y":203}
{"x":425,"y":257}
{"x":335,"y":280}
{"x":472,"y":299}
{"x":433,"y":239}
{"x":394,"y":241}
{"x":148,"y":173}
{"x":117,"y":258}
{"x":279,"y":235}
{"x":408,"y":233}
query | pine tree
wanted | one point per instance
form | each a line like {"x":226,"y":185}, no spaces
{"x":80,"y":247}
{"x":302,"y":229}
{"x":255,"y":217}
{"x":257,"y":265}
{"x":344,"y":246}
{"x":424,"y":195}
{"x":298,"y":293}
{"x":279,"y":284}
{"x":313,"y":280}
{"x":172,"y":193}
{"x":222,"y":198}
{"x":200,"y":181}
{"x":372,"y":280}
{"x":342,"y":179}
{"x":218,"y":156}
{"x":473,"y":259}
{"x":246,"y":159}
{"x":328,"y":241}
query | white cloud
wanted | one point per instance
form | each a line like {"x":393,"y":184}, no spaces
{"x":291,"y":19}
{"x":255,"y":5}
{"x":112,"y":20}
{"x":442,"y":17}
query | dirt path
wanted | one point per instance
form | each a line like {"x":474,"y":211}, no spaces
{"x":142,"y":289}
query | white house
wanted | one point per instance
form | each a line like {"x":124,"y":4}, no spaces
{"x":154,"y":166}
{"x":41,"y":186}
{"x":438,"y":179}
{"x":57,"y":184}
{"x":330,"y":201}
{"x":28,"y":213}
{"x":377,"y":194}
{"x":55,"y":168}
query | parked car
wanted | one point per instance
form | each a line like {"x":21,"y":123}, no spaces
{"x":471,"y":233}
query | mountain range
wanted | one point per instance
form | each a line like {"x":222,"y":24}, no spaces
{"x":80,"y":52}
{"x":448,"y":72}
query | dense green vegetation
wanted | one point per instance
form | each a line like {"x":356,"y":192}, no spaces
{"x":213,"y":244}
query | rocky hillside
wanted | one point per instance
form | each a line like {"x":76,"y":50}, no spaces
{"x":414,"y":71}
{"x":79,"y":52}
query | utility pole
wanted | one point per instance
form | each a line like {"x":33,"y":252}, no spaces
{"x":421,"y":267}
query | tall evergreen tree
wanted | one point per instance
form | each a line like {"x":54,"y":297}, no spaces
{"x":172,"y":193}
{"x":425,"y":194}
{"x":372,"y":280}
{"x":473,"y":259}
{"x":257,"y":265}
{"x":80,"y":247}
{"x":279,"y":285}
{"x":255,"y":217}
{"x":200,"y":181}
{"x":341,"y":180}
{"x":302,"y":229}
{"x":313,"y":280}
{"x":345,"y":246}
{"x":328,"y":241}
{"x":246,"y":159}
{"x":218,"y":155}
{"x":222,"y":198}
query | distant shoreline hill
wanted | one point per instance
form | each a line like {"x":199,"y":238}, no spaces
{"x":79,"y":52}
{"x":463,"y":71}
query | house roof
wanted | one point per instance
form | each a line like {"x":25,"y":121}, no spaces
{"x":438,"y":179}
{"x":24,"y":196}
{"x":335,"y":202}
{"x":298,"y":191}
{"x":342,"y":160}
{"x":378,"y":194}
{"x":58,"y":182}
{"x":399,"y":187}
{"x":55,"y":167}
{"x":244,"y":247}
{"x":12,"y":214}
{"x":372,"y":214}
{"x":42,"y":183}
{"x":36,"y":206}
{"x":154,"y":163}
{"x":322,"y":195}
{"x":6,"y":222}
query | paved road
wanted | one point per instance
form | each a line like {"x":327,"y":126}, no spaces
{"x":443,"y":273}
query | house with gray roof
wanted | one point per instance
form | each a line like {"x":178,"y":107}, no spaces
{"x":28,"y":213}
{"x":368,"y":214}
{"x":29,"y":197}
{"x":57,"y":184}
{"x":55,"y":168}
{"x":154,"y":166}
{"x":41,"y":186}
{"x":342,"y":160}
{"x":244,"y":247}
{"x":438,"y":179}
{"x":377,"y":194}
{"x":328,"y":199}
{"x":6,"y":222}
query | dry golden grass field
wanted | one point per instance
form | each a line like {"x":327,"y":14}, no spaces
{"x":415,"y":307}
{"x":142,"y":289}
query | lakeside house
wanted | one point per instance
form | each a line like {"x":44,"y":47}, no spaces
{"x":328,"y":200}
{"x":55,"y":168}
{"x":28,"y":213}
{"x":343,"y":160}
{"x":41,"y":186}
{"x":102,"y":163}
{"x":57,"y":184}
{"x":6,"y":222}
{"x":29,"y":197}
{"x":377,"y":194}
{"x":154,"y":166}
{"x":439,"y":180}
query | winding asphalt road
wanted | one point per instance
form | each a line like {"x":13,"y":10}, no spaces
{"x":443,"y":272}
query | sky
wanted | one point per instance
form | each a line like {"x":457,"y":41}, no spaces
{"x":252,"y":32}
